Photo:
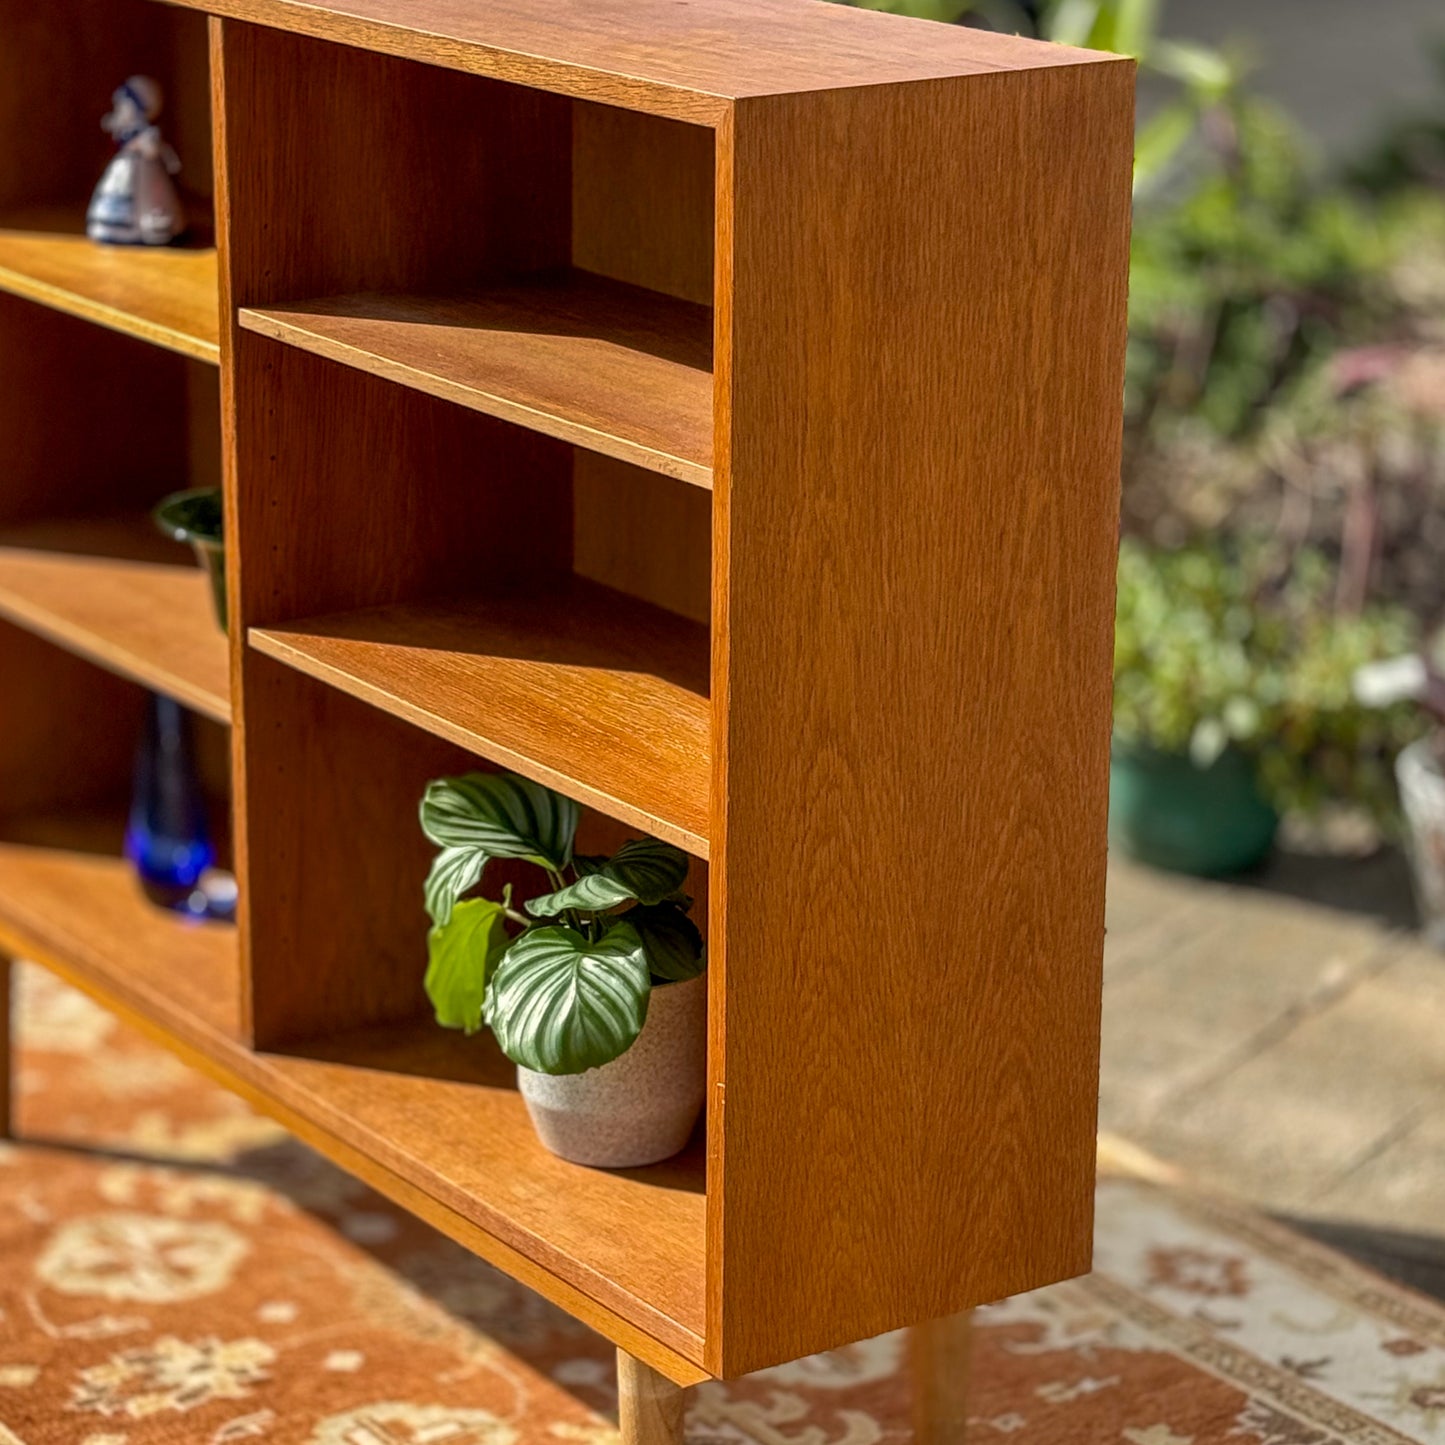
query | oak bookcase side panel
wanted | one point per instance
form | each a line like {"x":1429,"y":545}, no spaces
{"x":916,"y":511}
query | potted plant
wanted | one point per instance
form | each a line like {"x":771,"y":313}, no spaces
{"x":1233,"y":702}
{"x":593,"y":986}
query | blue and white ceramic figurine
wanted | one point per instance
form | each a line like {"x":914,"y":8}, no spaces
{"x":135,"y":203}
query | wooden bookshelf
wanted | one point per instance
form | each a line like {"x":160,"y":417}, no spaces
{"x":639,"y":405}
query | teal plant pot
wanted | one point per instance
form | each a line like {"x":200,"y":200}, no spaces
{"x":194,"y":517}
{"x":1166,"y":812}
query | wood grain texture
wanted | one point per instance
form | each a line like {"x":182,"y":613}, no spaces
{"x":642,"y":200}
{"x":430,"y":1119}
{"x":650,"y":1407}
{"x":334,"y":158}
{"x":91,"y":421}
{"x":906,"y":397}
{"x":67,"y":729}
{"x":166,"y":295}
{"x":112,"y":589}
{"x":642,"y":534}
{"x":441,"y":514}
{"x":643,"y":212}
{"x":916,"y":520}
{"x":687,"y":62}
{"x":940,"y":1354}
{"x":615,"y":368}
{"x":479,"y":1153}
{"x":582,"y":689}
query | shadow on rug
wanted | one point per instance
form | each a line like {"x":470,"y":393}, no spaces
{"x":174,"y":1269}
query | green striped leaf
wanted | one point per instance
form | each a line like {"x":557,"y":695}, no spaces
{"x":491,"y":815}
{"x":502,"y":815}
{"x":453,"y":871}
{"x":460,"y":956}
{"x":643,"y":870}
{"x":560,"y":1004}
{"x":671,"y":941}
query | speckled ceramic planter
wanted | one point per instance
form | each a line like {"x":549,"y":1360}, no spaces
{"x":639,"y":1108}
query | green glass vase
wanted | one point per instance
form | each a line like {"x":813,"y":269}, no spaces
{"x":194,"y":517}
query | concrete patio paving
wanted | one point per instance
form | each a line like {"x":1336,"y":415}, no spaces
{"x":1284,"y":1040}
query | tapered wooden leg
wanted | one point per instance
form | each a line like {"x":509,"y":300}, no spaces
{"x":649,"y":1406}
{"x":7,"y":1067}
{"x":941,"y":1358}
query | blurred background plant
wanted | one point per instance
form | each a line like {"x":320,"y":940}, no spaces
{"x":1285,"y":410}
{"x":1235,"y":645}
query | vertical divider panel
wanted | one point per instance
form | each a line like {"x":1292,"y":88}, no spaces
{"x":922,"y":298}
{"x":341,"y":172}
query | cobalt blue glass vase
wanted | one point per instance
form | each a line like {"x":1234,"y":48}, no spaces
{"x":166,"y":838}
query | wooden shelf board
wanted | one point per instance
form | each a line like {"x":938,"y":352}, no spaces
{"x":427,"y":1117}
{"x":114,"y":590}
{"x":690,"y":62}
{"x":613,"y":368}
{"x":583,"y":689}
{"x":167,"y":295}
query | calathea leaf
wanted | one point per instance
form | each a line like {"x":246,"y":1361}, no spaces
{"x":643,"y":869}
{"x":460,"y":956}
{"x":490,"y":815}
{"x":453,"y":871}
{"x":670,"y":939}
{"x":561,"y":1004}
{"x":502,"y":815}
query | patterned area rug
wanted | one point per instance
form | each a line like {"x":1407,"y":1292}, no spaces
{"x":174,"y":1269}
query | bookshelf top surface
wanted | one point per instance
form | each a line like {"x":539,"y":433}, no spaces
{"x":686,"y":58}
